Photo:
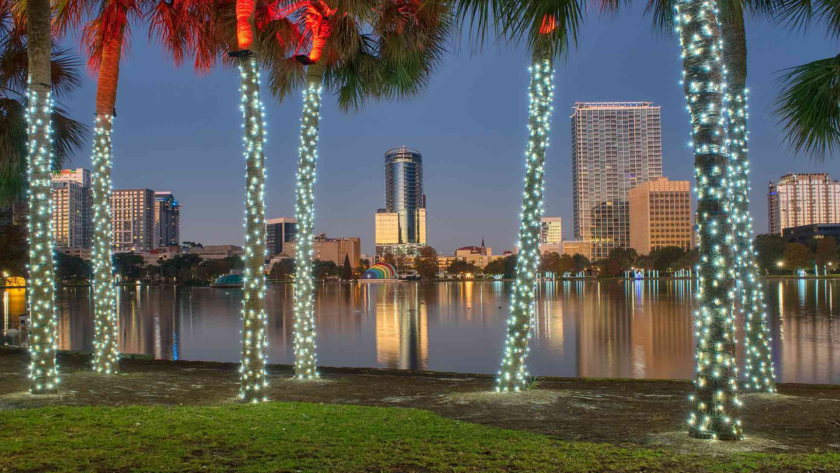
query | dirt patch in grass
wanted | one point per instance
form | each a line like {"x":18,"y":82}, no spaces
{"x":619,"y":412}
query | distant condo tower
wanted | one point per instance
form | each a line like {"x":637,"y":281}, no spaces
{"x":401,"y":225}
{"x":802,"y":199}
{"x":615,"y":146}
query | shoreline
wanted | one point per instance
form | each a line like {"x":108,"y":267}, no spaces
{"x":585,"y":279}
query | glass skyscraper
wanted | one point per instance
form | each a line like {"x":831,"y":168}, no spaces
{"x":615,"y":146}
{"x":404,"y":193}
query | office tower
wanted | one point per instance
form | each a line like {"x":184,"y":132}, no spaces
{"x":332,"y":249}
{"x":660,"y":215}
{"x":404,"y":191}
{"x":615,"y":146}
{"x":278,"y":233}
{"x":133,"y":220}
{"x":72,"y":209}
{"x":803,"y":199}
{"x":551,"y":230}
{"x":167,"y":229}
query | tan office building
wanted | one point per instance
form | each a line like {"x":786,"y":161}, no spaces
{"x":660,"y":215}
{"x":332,"y":249}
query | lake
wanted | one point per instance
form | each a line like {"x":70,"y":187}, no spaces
{"x":627,"y":329}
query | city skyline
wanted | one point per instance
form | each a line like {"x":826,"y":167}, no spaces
{"x":468,"y":127}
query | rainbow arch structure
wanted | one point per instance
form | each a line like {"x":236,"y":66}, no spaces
{"x":380,"y":271}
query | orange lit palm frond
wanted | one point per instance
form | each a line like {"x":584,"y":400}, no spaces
{"x":112,"y":23}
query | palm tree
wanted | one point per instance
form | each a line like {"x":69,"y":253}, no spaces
{"x":43,"y":342}
{"x":704,"y":83}
{"x":808,"y":105}
{"x":760,"y":371}
{"x":359,"y":50}
{"x":547,"y":26}
{"x":105,"y":38}
{"x":28,"y":96}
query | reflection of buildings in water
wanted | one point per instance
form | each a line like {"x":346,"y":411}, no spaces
{"x":402,"y":332}
{"x":805,"y":351}
{"x":636,"y":336}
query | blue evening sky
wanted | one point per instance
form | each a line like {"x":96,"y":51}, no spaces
{"x":180,"y":132}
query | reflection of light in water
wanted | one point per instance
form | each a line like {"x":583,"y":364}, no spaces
{"x":781,"y":311}
{"x":401,"y":328}
{"x":6,"y":325}
{"x":802,"y":292}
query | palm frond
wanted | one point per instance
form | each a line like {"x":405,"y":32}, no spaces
{"x":802,"y":14}
{"x":68,"y":14}
{"x":662,"y":14}
{"x":69,"y":137}
{"x":809,"y":107}
{"x":12,"y":150}
{"x":285,"y":76}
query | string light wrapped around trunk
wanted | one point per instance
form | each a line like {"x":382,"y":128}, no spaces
{"x":715,"y":396}
{"x":304,"y":323}
{"x":43,"y":330}
{"x":106,"y":336}
{"x":760,"y":373}
{"x":514,"y":374}
{"x":253,"y":380}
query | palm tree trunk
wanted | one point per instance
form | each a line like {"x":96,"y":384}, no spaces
{"x":760,"y":372}
{"x":106,"y":337}
{"x":514,"y":375}
{"x":715,"y":387}
{"x":305,"y":356}
{"x":253,"y":377}
{"x":43,"y":336}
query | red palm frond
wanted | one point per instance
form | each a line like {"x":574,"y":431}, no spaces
{"x":110,"y":25}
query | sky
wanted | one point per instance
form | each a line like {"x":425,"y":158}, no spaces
{"x":180,"y":132}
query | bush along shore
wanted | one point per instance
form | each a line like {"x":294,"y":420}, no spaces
{"x":183,"y":416}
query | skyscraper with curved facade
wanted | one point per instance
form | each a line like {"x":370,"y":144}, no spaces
{"x":403,"y":220}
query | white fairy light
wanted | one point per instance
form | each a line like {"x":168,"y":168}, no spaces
{"x":760,"y":371}
{"x":704,"y":80}
{"x":514,"y":375}
{"x":106,"y":336}
{"x":252,"y":375}
{"x":304,"y":323}
{"x":43,"y":335}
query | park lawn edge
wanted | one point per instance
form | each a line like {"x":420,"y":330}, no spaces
{"x":291,"y":436}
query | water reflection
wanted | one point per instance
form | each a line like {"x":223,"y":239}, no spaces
{"x":637,"y":329}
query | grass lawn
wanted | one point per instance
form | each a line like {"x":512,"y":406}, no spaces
{"x":291,"y":437}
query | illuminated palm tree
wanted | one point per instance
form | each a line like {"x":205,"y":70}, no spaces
{"x":28,"y":63}
{"x":104,"y":37}
{"x":368,"y":49}
{"x":547,"y":26}
{"x":760,"y":371}
{"x":809,"y":106}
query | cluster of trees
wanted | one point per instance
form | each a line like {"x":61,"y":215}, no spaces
{"x":321,"y":270}
{"x":776,"y":255}
{"x":668,"y":259}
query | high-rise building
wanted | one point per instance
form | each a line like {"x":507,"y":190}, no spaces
{"x":803,"y":199}
{"x":278,"y":233}
{"x":133,"y":220}
{"x":72,"y":208}
{"x":332,"y":249}
{"x":660,"y":215}
{"x":551,"y":230}
{"x":615,"y":146}
{"x":167,"y":229}
{"x":401,"y":225}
